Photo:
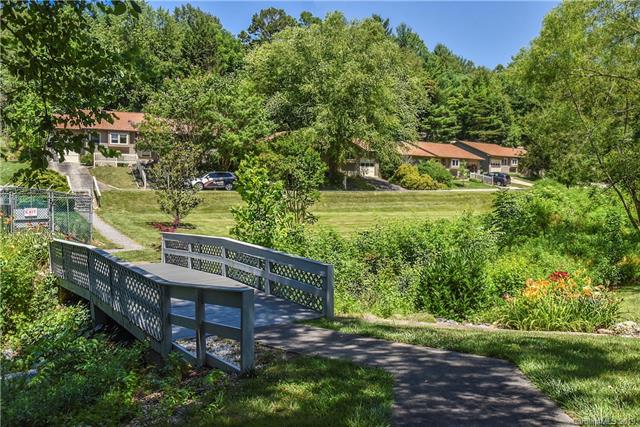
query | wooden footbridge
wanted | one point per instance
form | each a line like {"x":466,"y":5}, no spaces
{"x":204,"y":286}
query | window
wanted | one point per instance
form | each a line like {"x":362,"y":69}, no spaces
{"x":505,"y":162}
{"x":455,"y":163}
{"x":495,"y":163}
{"x":94,"y":138}
{"x":514,"y":162}
{"x":119,"y":138}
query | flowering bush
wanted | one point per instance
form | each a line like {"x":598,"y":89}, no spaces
{"x":561,"y":302}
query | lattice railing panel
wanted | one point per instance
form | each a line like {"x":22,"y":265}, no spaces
{"x":206,"y":266}
{"x":76,"y":267}
{"x":57,"y":260}
{"x":296,"y":274}
{"x":247,"y":259}
{"x":296,"y":295}
{"x":245,"y":277}
{"x":179,"y":260}
{"x":139,"y":299}
{"x":101,"y":275}
{"x":203,"y":248}
{"x":176,"y":244}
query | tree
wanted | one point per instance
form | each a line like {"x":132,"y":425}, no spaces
{"x":218,"y":115}
{"x":266,"y":24}
{"x":148,"y":46}
{"x":54,"y":72}
{"x":292,"y":160}
{"x":263,"y":219}
{"x":347,"y":81}
{"x":206,"y":45}
{"x":589,"y":93}
{"x":410,"y":40}
{"x":307,"y":19}
{"x":171,"y":176}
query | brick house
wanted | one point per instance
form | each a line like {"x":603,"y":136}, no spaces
{"x":449,"y":155}
{"x":120,"y":135}
{"x":494,"y":157}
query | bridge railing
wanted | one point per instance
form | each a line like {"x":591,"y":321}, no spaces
{"x":297,"y":279}
{"x":141,"y":303}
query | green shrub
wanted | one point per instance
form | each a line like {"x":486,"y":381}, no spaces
{"x":87,"y":159}
{"x":26,"y":288}
{"x":436,"y":171}
{"x":40,"y":178}
{"x":79,"y":380}
{"x":409,"y":177}
{"x":563,"y":302}
{"x":406,"y":268}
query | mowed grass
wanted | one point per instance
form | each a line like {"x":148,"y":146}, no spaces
{"x":118,"y":177}
{"x":299,"y":391}
{"x":8,"y":168}
{"x":596,"y":379}
{"x":134,"y":212}
{"x":630,"y":305}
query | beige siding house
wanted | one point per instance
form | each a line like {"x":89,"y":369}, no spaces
{"x":494,"y":157}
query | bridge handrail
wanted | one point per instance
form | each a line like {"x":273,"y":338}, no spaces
{"x":141,"y":302}
{"x":301,"y":280}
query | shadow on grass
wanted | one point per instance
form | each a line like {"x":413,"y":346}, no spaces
{"x":304,"y":391}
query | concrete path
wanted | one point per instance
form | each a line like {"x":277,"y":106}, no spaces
{"x":81,"y":180}
{"x":79,"y":177}
{"x":432,"y":387}
{"x":123,"y":242}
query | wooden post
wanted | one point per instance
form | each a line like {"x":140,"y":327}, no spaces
{"x":247,"y":344}
{"x":162,"y":243}
{"x":223,"y":267}
{"x":189,"y":250}
{"x":165,"y":325}
{"x":267,"y":273}
{"x":328,"y":294}
{"x":201,"y":337}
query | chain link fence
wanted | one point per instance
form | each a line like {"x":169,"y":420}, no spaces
{"x":67,"y":214}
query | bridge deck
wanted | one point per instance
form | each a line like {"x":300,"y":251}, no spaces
{"x":269,"y":310}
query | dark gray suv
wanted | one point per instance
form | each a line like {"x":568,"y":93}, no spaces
{"x":214,"y":180}
{"x":500,"y":178}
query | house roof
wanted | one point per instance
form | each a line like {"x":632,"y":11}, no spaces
{"x":122,"y":121}
{"x":409,"y":149}
{"x":495,"y":149}
{"x":435,"y":149}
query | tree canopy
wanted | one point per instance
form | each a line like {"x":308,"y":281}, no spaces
{"x":348,"y":81}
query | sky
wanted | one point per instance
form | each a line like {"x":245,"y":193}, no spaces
{"x":488,"y":33}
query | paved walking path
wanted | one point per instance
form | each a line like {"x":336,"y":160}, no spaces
{"x":432,"y":387}
{"x":81,"y":180}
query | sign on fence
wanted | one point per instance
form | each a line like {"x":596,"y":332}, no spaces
{"x":70,"y":214}
{"x":30,"y":212}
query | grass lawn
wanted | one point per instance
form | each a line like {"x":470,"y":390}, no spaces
{"x":300,"y":391}
{"x":630,"y":306}
{"x":8,"y":168}
{"x":471,"y":184}
{"x":118,"y":177}
{"x":133,"y":212}
{"x":596,"y":379}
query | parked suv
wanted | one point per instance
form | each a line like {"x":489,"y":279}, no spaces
{"x":500,"y":178}
{"x":214,"y":180}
